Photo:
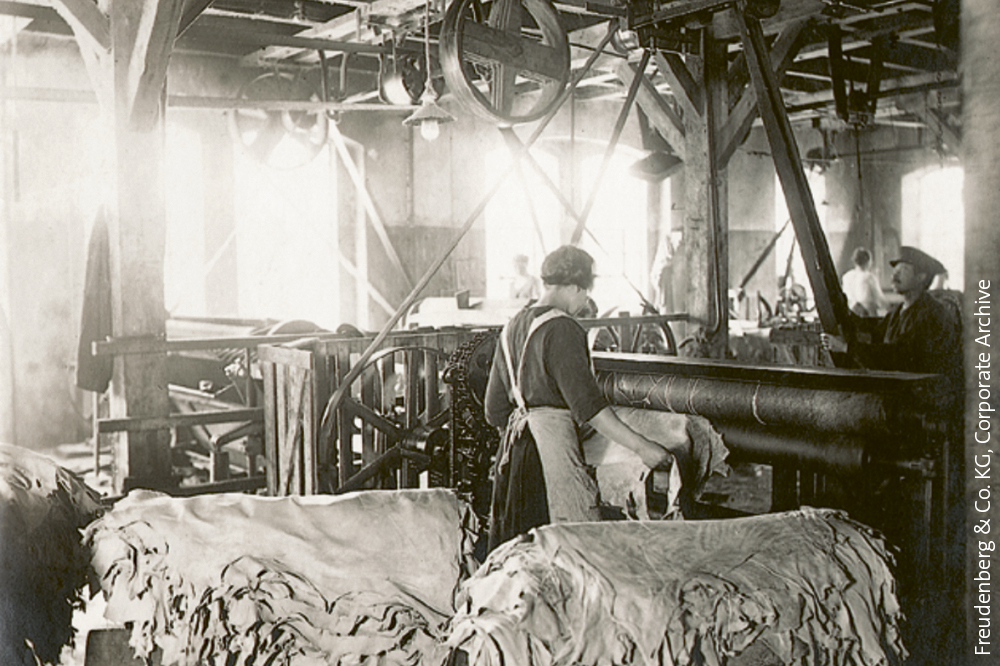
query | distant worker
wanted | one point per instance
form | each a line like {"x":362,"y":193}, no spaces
{"x":864,"y":295}
{"x":541,"y":390}
{"x":524,"y":286}
{"x":921,"y":334}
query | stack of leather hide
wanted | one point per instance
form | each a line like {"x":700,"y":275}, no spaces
{"x":240,"y":579}
{"x":624,"y":479}
{"x":812,"y":585}
{"x":43,"y":565}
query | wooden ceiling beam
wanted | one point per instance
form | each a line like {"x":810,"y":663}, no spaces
{"x":889,"y":88}
{"x":661,"y":115}
{"x":744,"y":112}
{"x":342,"y":28}
{"x":689,"y":92}
{"x":935,"y":120}
{"x":150,"y":58}
{"x":85,"y":17}
{"x":192,"y":10}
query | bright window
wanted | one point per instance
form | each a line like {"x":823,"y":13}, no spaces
{"x":287,"y":240}
{"x":934,"y":218}
{"x":788,"y":260}
{"x":522,"y":218}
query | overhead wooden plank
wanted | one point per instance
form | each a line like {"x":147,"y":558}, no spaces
{"x":151,"y":51}
{"x":831,"y":304}
{"x":726,"y":26}
{"x":192,"y":10}
{"x":86,"y":15}
{"x":659,"y":112}
{"x":488,"y":46}
{"x":690,"y":94}
{"x":342,"y":28}
{"x":138,"y":241}
{"x":936,"y":122}
{"x":889,"y":88}
{"x":743,"y":114}
{"x":366,"y":199}
{"x":838,"y":74}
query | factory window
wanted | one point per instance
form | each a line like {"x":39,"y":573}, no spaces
{"x":521,"y":219}
{"x":526,"y":218}
{"x":788,"y":255}
{"x":933,"y":217}
{"x":184,"y":260}
{"x":287,"y":240}
{"x":619,"y":227}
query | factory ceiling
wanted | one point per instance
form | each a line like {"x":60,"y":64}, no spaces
{"x":855,"y":61}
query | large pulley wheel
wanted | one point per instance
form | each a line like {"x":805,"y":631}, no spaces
{"x":520,"y":43}
{"x":279,"y":138}
{"x":399,"y":407}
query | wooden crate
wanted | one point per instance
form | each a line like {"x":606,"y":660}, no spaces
{"x":374,"y":430}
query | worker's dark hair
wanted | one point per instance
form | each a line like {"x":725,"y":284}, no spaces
{"x":568,"y":265}
{"x":861,"y":257}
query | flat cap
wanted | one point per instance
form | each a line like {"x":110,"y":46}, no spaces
{"x":920,"y":260}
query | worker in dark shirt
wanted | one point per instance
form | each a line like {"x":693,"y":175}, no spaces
{"x":921,"y":334}
{"x":541,"y":390}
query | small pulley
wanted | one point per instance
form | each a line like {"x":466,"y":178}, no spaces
{"x":271,"y":129}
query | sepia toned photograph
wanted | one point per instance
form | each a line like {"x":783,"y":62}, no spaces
{"x":499,"y":332}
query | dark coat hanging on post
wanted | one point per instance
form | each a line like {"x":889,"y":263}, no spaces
{"x":93,"y":373}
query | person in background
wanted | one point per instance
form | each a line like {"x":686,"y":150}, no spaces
{"x":864,"y":295}
{"x":524,"y":285}
{"x":921,"y":334}
{"x":541,"y":390}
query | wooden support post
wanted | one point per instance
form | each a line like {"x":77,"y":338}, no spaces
{"x":140,"y":45}
{"x":830,"y":301}
{"x":716,"y":104}
{"x":695,"y":237}
{"x":737,"y":127}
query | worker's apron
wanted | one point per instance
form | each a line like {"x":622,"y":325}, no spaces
{"x":570,"y":489}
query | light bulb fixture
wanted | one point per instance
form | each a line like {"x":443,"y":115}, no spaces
{"x":429,"y":116}
{"x":430,"y":129}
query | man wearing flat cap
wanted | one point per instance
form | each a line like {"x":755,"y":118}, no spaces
{"x":921,"y":334}
{"x":541,"y":390}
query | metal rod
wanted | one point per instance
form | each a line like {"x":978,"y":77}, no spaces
{"x":177,"y":420}
{"x":610,"y":150}
{"x":839,"y":453}
{"x":369,"y":471}
{"x":369,"y":203}
{"x":355,"y":371}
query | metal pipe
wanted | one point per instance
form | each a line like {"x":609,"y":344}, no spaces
{"x":750,"y":402}
{"x":809,"y":401}
{"x":832,"y":453}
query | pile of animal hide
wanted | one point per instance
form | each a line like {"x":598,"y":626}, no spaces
{"x":299,"y":581}
{"x":812,"y":585}
{"x":625,"y":481}
{"x":43,"y":565}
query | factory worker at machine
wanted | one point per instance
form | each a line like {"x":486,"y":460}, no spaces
{"x":541,"y":390}
{"x":864,"y":295}
{"x":921,"y":334}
